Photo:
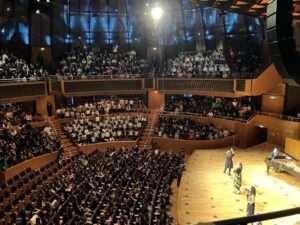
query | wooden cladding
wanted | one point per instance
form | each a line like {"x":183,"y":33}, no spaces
{"x":240,"y":85}
{"x":148,"y":83}
{"x":79,"y":86}
{"x":22,"y":90}
{"x":55,"y":86}
{"x":215,"y":85}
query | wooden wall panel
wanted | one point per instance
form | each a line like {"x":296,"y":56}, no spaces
{"x":272,"y":104}
{"x":155,"y":100}
{"x":266,"y":81}
{"x":278,"y":129}
{"x":41,"y":105}
{"x":34,"y":164}
{"x":292,"y":148}
{"x":167,"y":144}
{"x":86,"y":149}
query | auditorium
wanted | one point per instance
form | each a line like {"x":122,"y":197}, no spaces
{"x":149,"y":112}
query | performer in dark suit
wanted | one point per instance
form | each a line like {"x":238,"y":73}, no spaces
{"x":49,"y":109}
{"x":251,"y":193}
{"x":228,"y":160}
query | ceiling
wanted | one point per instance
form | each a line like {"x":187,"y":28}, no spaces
{"x":255,"y":8}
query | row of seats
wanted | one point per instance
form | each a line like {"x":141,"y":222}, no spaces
{"x":83,"y":62}
{"x":117,"y":186}
{"x":23,"y":189}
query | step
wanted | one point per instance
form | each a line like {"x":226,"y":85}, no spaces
{"x":64,"y":141}
{"x":70,"y":148}
{"x":66,"y":144}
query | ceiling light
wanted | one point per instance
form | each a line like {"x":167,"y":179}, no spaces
{"x":156,"y":13}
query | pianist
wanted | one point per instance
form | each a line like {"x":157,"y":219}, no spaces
{"x":272,"y":156}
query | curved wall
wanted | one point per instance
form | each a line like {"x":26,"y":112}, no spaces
{"x":34,"y":164}
{"x":189,"y":146}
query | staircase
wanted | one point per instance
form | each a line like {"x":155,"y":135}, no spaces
{"x":69,"y":148}
{"x":146,"y":138}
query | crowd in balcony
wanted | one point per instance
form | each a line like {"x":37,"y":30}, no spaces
{"x":105,"y":129}
{"x":13,"y":115}
{"x":112,"y":187}
{"x":102,"y":106}
{"x":243,"y":61}
{"x":210,"y":106}
{"x":12,"y":67}
{"x":18,"y":144}
{"x":188,"y":129}
{"x":83,"y":62}
{"x":205,"y":63}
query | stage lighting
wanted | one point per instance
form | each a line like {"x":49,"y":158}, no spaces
{"x":37,"y":11}
{"x":156,"y":13}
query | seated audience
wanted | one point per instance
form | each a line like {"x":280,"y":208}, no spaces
{"x":13,"y":67}
{"x":82,"y":62}
{"x":243,"y":61}
{"x":206,"y":63}
{"x":105,"y":129}
{"x":26,"y":142}
{"x":210,"y":106}
{"x":112,"y":187}
{"x":102,"y":106}
{"x":13,"y":115}
{"x":187,"y":129}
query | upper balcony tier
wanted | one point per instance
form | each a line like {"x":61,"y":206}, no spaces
{"x":14,"y":90}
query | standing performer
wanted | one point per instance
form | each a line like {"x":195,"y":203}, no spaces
{"x":237,"y":182}
{"x":228,"y":160}
{"x":251,"y":193}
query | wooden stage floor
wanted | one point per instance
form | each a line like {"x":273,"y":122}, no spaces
{"x":206,"y":193}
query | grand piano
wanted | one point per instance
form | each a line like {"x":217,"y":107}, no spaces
{"x":284,"y":163}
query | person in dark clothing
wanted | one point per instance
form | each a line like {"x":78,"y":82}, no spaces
{"x":49,"y":109}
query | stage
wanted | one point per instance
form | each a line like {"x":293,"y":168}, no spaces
{"x":206,"y":193}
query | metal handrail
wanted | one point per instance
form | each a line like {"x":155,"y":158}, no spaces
{"x":204,"y":115}
{"x":258,"y":218}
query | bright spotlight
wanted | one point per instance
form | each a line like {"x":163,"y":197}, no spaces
{"x":156,"y":13}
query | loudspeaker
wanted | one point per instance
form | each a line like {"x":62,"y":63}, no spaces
{"x":282,"y":46}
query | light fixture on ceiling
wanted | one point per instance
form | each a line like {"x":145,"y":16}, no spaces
{"x":156,"y":13}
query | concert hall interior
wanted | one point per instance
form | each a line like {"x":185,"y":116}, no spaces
{"x":149,"y":112}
